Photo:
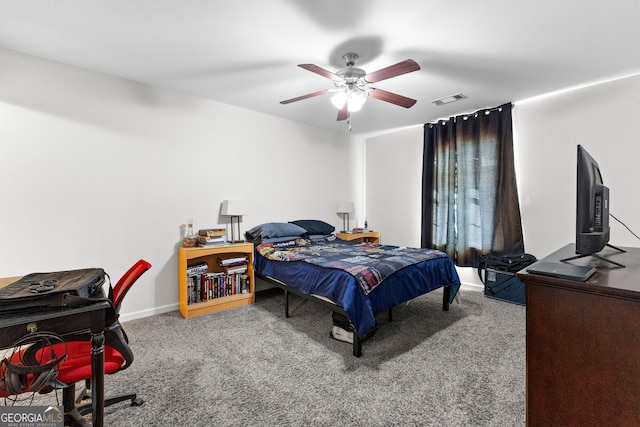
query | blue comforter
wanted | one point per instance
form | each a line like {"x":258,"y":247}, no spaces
{"x":292,"y":263}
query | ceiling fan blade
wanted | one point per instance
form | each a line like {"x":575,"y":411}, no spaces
{"x":309,"y":95}
{"x":343,"y":114}
{"x":404,"y":67}
{"x":393,"y":98}
{"x":321,"y":71}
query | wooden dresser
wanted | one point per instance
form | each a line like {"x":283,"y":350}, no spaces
{"x":583,"y":344}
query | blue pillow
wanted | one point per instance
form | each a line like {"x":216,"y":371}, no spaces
{"x":314,"y":226}
{"x":272,"y":230}
{"x":281,"y":229}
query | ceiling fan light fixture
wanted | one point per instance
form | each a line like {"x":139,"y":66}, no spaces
{"x":352,"y":85}
{"x":339,"y":99}
{"x":355,"y":98}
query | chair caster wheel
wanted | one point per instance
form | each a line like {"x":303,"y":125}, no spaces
{"x":137,"y":402}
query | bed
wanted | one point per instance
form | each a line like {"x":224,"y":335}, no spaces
{"x":358,"y":280}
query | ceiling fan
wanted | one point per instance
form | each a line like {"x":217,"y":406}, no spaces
{"x":352,"y":85}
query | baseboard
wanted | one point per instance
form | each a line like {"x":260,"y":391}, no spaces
{"x":174,"y":307}
{"x":471,"y":287}
{"x":145,"y":313}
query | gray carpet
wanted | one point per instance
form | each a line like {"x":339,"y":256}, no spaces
{"x":250,"y":366}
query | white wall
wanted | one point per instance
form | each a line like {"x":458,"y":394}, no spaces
{"x":603,"y":119}
{"x":101,"y":171}
{"x":546,"y":131}
{"x":393,"y":191}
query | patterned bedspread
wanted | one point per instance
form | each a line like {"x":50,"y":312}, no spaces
{"x":369,"y":263}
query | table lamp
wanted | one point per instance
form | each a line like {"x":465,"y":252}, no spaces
{"x":234,"y":209}
{"x":345,"y":208}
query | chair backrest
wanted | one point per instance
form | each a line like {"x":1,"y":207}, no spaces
{"x":117,"y":293}
{"x":79,"y":345}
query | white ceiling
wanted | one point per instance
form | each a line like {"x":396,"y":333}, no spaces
{"x":245,"y":53}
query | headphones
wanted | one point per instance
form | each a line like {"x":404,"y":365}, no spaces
{"x":18,"y":376}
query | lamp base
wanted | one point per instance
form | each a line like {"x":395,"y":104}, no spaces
{"x":233,"y":234}
{"x":345,"y":223}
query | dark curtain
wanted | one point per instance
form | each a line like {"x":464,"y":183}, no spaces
{"x":469,"y":193}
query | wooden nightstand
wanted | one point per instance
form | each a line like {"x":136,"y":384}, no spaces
{"x":369,"y":236}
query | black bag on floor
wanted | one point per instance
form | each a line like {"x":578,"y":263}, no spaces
{"x":511,"y":263}
{"x":70,"y":288}
{"x":498,"y":273}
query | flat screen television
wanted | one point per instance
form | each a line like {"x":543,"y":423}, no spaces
{"x":592,"y":209}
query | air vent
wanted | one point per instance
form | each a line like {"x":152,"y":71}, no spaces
{"x":449,"y":99}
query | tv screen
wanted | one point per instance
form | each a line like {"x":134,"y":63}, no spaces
{"x":592,"y":206}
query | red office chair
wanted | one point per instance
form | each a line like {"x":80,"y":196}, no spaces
{"x":117,"y":353}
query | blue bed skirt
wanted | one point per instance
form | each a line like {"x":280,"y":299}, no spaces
{"x":342,"y":288}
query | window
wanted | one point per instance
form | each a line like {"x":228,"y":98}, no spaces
{"x":470,"y":198}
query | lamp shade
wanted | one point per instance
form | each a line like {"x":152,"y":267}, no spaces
{"x":345,"y":207}
{"x":355,"y":97}
{"x":339,"y":99}
{"x":232,"y":208}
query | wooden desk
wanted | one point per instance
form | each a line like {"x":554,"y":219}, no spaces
{"x":63,"y":321}
{"x":583,"y":344}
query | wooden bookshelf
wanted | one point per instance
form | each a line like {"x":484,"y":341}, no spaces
{"x":191,"y":256}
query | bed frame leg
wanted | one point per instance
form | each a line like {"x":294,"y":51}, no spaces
{"x":445,"y":298}
{"x":286,"y":304}
{"x":357,"y":345}
{"x":390,"y":315}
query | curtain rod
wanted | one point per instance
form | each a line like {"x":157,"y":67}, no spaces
{"x":467,"y":115}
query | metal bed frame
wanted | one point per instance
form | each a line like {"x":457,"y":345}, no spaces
{"x":327,"y":303}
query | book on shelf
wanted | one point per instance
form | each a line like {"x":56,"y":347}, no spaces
{"x":208,"y":286}
{"x":360,"y":230}
{"x":231,"y":261}
{"x":195,"y":269}
{"x":204,"y":241}
{"x":212,"y":232}
{"x":234,"y":269}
